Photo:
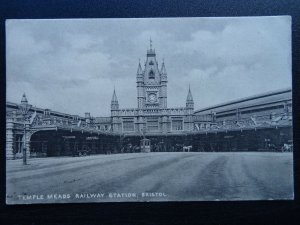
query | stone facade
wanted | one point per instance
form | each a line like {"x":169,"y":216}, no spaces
{"x":152,"y":114}
{"x":40,"y":120}
{"x":272,"y":109}
{"x":262,"y":117}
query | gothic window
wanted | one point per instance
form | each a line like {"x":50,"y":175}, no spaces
{"x":177,"y":124}
{"x":151,"y":63}
{"x":128,"y":125}
{"x":152,"y":124}
{"x":151,"y":75}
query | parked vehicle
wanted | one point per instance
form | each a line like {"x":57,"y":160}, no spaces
{"x":82,"y":152}
{"x":145,"y":145}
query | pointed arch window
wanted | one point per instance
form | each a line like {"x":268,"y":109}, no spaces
{"x":151,"y":75}
{"x":151,"y":63}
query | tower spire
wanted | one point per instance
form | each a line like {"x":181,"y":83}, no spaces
{"x":114,"y":97}
{"x":189,"y":99}
{"x":163,"y":70}
{"x":151,"y":51}
{"x":139,"y":70}
{"x":24,"y":99}
{"x":189,"y":96}
{"x":114,"y":101}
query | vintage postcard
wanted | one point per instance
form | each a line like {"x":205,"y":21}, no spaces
{"x":153,"y":109}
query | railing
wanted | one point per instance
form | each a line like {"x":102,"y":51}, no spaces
{"x":263,"y":121}
{"x":39,"y":121}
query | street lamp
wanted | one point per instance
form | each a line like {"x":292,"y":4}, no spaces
{"x":143,"y":131}
{"x":24,"y":107}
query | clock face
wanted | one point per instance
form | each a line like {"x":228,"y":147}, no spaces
{"x":152,"y":98}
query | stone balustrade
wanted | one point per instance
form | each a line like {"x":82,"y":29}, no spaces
{"x":273,"y":120}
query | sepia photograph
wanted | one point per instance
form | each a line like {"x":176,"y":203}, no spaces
{"x":149,"y":110}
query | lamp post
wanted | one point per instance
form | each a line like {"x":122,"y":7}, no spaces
{"x":143,"y":131}
{"x":24,"y":108}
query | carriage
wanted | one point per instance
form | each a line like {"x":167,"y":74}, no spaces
{"x":145,"y":145}
{"x":187,"y":148}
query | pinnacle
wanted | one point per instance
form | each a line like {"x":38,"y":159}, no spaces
{"x":139,"y":70}
{"x":163,"y":68}
{"x":24,"y":99}
{"x":114,"y":97}
{"x":189,"y":96}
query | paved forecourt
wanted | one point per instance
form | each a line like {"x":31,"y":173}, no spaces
{"x":161,"y":176}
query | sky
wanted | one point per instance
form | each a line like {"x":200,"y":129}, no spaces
{"x":73,"y":65}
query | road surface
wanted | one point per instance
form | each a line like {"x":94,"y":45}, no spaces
{"x":181,"y":176}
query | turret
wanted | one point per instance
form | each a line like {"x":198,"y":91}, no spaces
{"x":114,"y":102}
{"x":114,"y":112}
{"x":163,"y":72}
{"x":139,"y":72}
{"x":24,"y":99}
{"x":189,"y":100}
{"x":164,"y":81}
{"x":139,"y":84}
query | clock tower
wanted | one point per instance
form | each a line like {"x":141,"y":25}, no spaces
{"x":151,"y":83}
{"x":152,"y":116}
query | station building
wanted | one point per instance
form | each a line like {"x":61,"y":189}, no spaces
{"x":152,"y":116}
{"x":257,"y":123}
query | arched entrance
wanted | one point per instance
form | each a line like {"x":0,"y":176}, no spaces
{"x":67,"y":143}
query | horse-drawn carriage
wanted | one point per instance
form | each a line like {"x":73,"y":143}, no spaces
{"x":287,"y":148}
{"x":84,"y":151}
{"x":145,"y":145}
{"x":187,"y":148}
